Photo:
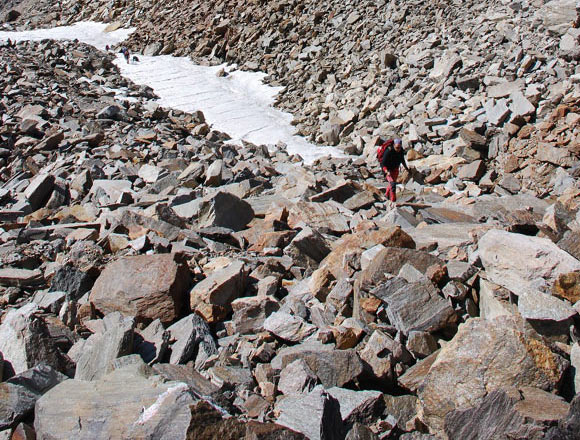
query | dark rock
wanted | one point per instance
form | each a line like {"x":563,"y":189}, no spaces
{"x":72,"y":281}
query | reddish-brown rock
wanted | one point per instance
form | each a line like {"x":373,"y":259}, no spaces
{"x":147,"y":287}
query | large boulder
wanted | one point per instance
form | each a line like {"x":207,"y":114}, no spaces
{"x":147,"y":287}
{"x":250,"y":313}
{"x":193,"y":340}
{"x":486,"y":355}
{"x":355,"y":244}
{"x":415,"y":306}
{"x":126,"y":403}
{"x":522,"y":263}
{"x":288,"y":327}
{"x":334,"y":368}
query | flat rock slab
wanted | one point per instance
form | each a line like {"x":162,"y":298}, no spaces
{"x":115,"y":406}
{"x":20,"y":277}
{"x":288,"y":327}
{"x":323,"y":216}
{"x":522,"y":263}
{"x":334,"y":368}
{"x":147,"y":287}
{"x":543,"y":307}
{"x":486,"y":355}
{"x":416,"y":306}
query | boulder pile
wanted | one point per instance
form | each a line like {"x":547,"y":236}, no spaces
{"x":159,"y":282}
{"x":493,"y":81}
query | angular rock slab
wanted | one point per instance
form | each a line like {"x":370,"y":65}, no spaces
{"x":357,"y":406}
{"x":226,"y":210}
{"x":19,"y":394}
{"x":486,"y":355}
{"x":288,"y":327}
{"x":219,"y":289}
{"x":192,"y":337}
{"x":125,"y":401}
{"x":522,"y":263}
{"x":509,"y":413}
{"x":416,"y":307}
{"x":147,"y":287}
{"x":316,"y":415}
{"x":334,"y":368}
{"x":356,"y":243}
{"x":251,"y":312}
{"x":95,"y":355}
{"x":25,"y":342}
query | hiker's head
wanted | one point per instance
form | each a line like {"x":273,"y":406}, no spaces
{"x":398,"y":144}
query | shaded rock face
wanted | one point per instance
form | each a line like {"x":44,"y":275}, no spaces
{"x":499,"y":347}
{"x":147,"y":287}
{"x":20,"y":393}
{"x":226,"y":210}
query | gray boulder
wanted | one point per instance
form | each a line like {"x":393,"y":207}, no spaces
{"x":128,"y":402}
{"x":334,"y":368}
{"x":415,"y":306}
{"x":316,"y":415}
{"x":226,"y":210}
{"x":192,"y":337}
{"x":94,"y":356}
{"x":147,"y":287}
{"x":522,"y":263}
{"x":212,"y":297}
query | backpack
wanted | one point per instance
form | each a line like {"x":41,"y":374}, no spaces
{"x":382,"y":148}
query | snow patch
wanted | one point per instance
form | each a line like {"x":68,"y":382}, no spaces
{"x":240,"y":104}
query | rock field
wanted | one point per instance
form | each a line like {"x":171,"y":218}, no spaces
{"x":157,"y":282}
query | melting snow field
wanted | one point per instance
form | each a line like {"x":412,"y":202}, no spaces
{"x":240,"y":104}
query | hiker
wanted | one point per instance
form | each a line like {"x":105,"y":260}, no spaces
{"x":392,"y":158}
{"x":125,"y":53}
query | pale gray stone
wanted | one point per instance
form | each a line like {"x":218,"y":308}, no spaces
{"x":288,"y":327}
{"x":316,"y":415}
{"x":94,"y":356}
